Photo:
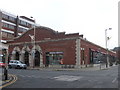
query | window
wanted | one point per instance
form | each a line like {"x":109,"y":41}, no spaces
{"x":11,"y":61}
{"x":22,"y":29}
{"x":11,"y":27}
{"x":11,"y":18}
{"x":10,"y":35}
{"x":22,"y":22}
{"x":54,"y":57}
{"x":4,"y":16}
{"x":5,"y":25}
{"x":7,"y":35}
{"x":4,"y":34}
{"x":29,"y":25}
{"x":8,"y":26}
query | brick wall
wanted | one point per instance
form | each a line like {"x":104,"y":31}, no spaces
{"x":86,"y":45}
{"x":67,"y":47}
{"x":49,"y":41}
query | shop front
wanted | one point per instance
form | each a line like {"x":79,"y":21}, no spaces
{"x":54,"y":58}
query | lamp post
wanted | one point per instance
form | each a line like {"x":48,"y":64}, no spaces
{"x":34,"y":31}
{"x":33,"y":39}
{"x":106,"y":39}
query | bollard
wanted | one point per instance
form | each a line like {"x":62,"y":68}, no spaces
{"x":6,"y":74}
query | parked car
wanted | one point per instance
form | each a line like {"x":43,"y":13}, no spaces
{"x":2,"y":64}
{"x":17,"y":64}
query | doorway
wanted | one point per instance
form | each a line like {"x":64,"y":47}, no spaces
{"x":37,"y":58}
{"x":17,"y":56}
{"x":26,"y":58}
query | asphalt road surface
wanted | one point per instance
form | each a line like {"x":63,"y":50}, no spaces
{"x":65,"y":79}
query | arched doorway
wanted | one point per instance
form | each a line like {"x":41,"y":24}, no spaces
{"x":17,"y":56}
{"x":37,"y":58}
{"x":26,"y":58}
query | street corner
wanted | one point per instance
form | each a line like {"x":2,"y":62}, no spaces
{"x":11,"y":79}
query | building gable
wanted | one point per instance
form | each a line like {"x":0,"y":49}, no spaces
{"x":42,"y":33}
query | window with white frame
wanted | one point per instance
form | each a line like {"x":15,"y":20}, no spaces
{"x":5,"y":16}
{"x":11,"y":18}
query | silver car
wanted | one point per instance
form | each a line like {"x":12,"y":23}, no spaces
{"x":17,"y":64}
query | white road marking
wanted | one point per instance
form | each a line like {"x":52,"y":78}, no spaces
{"x":22,"y":75}
{"x":114,"y":80}
{"x":67,"y":78}
{"x":29,"y":76}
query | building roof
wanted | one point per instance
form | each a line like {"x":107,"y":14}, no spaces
{"x":42,"y":33}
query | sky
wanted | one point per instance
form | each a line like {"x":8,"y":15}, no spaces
{"x":88,"y":17}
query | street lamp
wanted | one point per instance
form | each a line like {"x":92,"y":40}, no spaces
{"x":34,"y":31}
{"x":106,"y":39}
{"x":33,"y":39}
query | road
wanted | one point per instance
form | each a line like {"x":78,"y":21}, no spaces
{"x":65,"y":79}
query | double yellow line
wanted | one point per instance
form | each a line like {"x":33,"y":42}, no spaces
{"x":9,"y":82}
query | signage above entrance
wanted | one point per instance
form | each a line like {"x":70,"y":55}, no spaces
{"x":55,"y":52}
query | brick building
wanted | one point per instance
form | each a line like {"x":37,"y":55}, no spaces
{"x":117,"y":50}
{"x":49,"y":47}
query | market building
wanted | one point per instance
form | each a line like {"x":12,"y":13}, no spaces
{"x":49,"y":47}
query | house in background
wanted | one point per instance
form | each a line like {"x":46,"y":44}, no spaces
{"x":12,"y":26}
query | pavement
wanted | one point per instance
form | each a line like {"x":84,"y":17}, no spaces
{"x":82,"y":68}
{"x":10,"y":80}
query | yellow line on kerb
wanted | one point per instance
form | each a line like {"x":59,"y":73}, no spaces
{"x":7,"y":84}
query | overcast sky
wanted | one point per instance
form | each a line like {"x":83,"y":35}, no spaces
{"x":87,"y":17}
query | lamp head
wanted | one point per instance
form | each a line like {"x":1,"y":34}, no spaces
{"x":110,"y":28}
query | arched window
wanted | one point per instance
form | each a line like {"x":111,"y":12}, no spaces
{"x":26,"y":58}
{"x":17,"y":56}
{"x":37,"y":58}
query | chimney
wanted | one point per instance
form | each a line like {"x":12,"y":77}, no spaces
{"x":81,"y":35}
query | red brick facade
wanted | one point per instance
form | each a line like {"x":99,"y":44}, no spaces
{"x":50,"y":41}
{"x":89,"y":46}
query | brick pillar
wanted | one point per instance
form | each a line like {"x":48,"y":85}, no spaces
{"x":41,"y":61}
{"x":22,"y":57}
{"x":30,"y":60}
{"x":13,"y":56}
{"x":78,"y":57}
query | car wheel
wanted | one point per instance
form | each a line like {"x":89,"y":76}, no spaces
{"x":18,"y":67}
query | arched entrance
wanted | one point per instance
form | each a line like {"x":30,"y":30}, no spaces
{"x":26,"y":58}
{"x":37,"y":58}
{"x":17,"y":56}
